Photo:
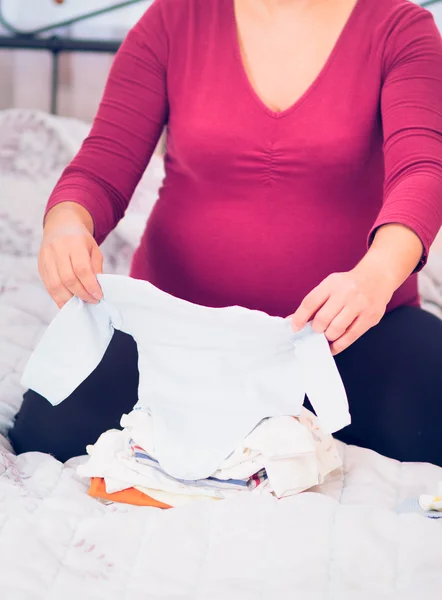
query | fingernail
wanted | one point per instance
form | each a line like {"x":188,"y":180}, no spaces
{"x":97,"y":296}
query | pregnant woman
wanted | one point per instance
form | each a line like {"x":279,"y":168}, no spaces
{"x":303,"y":178}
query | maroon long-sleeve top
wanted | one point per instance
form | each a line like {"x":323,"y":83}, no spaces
{"x":258,"y":207}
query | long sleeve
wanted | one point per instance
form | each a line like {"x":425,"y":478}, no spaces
{"x":131,"y":117}
{"x":322,"y":383}
{"x":71,"y":348}
{"x":411,"y":106}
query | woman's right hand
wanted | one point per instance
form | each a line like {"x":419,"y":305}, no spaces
{"x":69,"y":258}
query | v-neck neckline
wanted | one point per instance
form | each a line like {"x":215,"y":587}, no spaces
{"x":242,"y":67}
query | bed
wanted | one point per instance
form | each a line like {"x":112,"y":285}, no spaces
{"x":359,"y":536}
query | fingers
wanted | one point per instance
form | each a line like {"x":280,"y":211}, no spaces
{"x":341,"y":323}
{"x":84,"y":272}
{"x":49,"y":274}
{"x":343,"y":307}
{"x":68,"y":268}
{"x":354,"y":332}
{"x":328,"y":313}
{"x":350,"y":325}
{"x":310,"y":306}
{"x":70,"y":274}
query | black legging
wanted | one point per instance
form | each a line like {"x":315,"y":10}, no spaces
{"x":393,"y":378}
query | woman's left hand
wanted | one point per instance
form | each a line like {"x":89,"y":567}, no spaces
{"x":346,"y":305}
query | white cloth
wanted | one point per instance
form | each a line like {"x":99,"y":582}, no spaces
{"x":208,"y":376}
{"x":432,"y":503}
{"x":295,"y":453}
{"x":110,"y":459}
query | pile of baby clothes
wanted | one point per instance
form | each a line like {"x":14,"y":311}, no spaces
{"x":282,"y":456}
{"x":215,"y":384}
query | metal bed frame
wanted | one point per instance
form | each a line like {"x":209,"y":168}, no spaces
{"x":56,"y":44}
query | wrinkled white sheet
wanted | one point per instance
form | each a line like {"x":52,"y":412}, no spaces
{"x":346,"y":543}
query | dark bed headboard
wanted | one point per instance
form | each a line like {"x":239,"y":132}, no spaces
{"x":41,"y":39}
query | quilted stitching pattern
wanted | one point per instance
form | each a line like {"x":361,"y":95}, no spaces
{"x":345,"y":541}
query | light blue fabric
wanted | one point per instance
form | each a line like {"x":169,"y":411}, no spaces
{"x":208,"y":376}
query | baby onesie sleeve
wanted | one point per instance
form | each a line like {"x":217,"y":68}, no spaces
{"x":71,"y":348}
{"x":130,"y":120}
{"x":411,"y":108}
{"x":322,"y":382}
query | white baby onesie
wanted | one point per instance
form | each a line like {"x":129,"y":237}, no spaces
{"x":208,"y":376}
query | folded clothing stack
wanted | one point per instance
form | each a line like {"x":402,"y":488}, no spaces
{"x":282,"y":456}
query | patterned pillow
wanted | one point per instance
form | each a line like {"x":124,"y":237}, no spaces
{"x":34,"y":149}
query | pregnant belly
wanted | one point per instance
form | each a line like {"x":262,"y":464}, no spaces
{"x":221,"y":254}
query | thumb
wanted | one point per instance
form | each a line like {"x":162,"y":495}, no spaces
{"x":96,"y":260}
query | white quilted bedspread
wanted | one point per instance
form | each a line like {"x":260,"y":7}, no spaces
{"x":348,"y":540}
{"x":345,"y":543}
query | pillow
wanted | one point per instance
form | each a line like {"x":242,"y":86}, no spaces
{"x":34,"y":149}
{"x":36,"y":145}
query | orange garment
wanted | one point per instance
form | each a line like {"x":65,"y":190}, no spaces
{"x":97,"y":489}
